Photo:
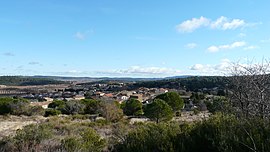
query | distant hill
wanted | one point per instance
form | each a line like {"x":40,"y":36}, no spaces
{"x":26,"y":80}
{"x":192,"y":83}
{"x":93,"y":79}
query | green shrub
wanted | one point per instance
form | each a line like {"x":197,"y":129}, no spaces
{"x":36,"y":110}
{"x":111,"y":112}
{"x":88,"y":141}
{"x":73,"y":107}
{"x":91,"y":106}
{"x":52,"y":112}
{"x":14,"y":106}
{"x":57,"y":104}
{"x":150,"y":137}
{"x":28,"y":139}
{"x":71,"y":144}
{"x":4,"y":105}
{"x":221,"y":133}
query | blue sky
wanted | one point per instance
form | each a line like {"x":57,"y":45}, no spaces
{"x":128,"y":38}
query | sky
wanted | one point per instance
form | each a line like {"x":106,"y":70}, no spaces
{"x":131,"y":38}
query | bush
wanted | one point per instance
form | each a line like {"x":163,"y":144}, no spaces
{"x":52,"y":112}
{"x":150,"y":137}
{"x":57,"y":104}
{"x":91,"y":106}
{"x":36,"y":110}
{"x":14,"y":106}
{"x":73,"y":107}
{"x":111,"y":112}
{"x":71,"y":144}
{"x":88,"y":141}
{"x":221,"y":133}
{"x":4,"y":105}
{"x":28,"y":139}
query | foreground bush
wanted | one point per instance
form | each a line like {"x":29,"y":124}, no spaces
{"x":219,"y":134}
{"x":87,"y":141}
{"x":28,"y":139}
{"x":150,"y":137}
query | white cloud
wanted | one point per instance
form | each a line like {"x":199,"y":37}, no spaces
{"x":80,"y":36}
{"x":234,"y":45}
{"x":73,"y":73}
{"x":193,"y":24}
{"x":221,"y":23}
{"x":133,"y":71}
{"x":148,"y":70}
{"x":191,"y":45}
{"x":219,"y":69}
{"x":213,"y":48}
{"x":225,"y":23}
{"x":197,"y":67}
{"x":237,"y":44}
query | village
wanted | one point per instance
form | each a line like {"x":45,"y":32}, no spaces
{"x":46,"y":94}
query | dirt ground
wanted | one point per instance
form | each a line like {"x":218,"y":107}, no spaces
{"x":9,"y":124}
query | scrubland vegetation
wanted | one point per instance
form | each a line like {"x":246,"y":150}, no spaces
{"x":239,"y":122}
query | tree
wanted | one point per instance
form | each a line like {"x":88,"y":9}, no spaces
{"x":110,"y":111}
{"x":158,"y":110}
{"x":91,"y":106}
{"x":73,"y":107}
{"x":218,"y":104}
{"x":132,"y":107}
{"x":173,"y":99}
{"x":57,"y":104}
{"x":249,"y":88}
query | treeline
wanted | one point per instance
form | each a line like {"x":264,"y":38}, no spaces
{"x":25,"y":81}
{"x":190,"y":83}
